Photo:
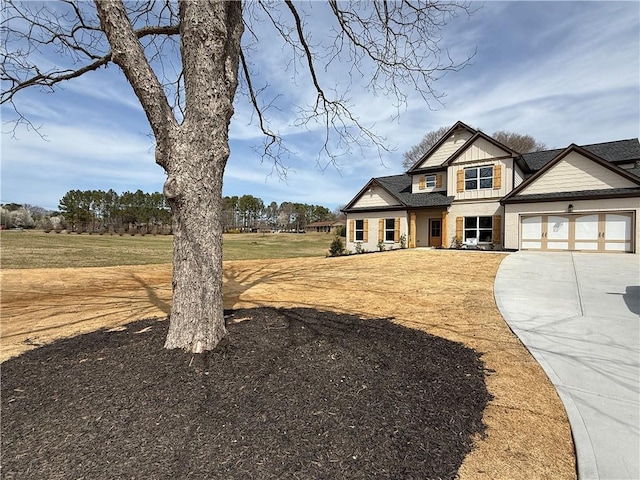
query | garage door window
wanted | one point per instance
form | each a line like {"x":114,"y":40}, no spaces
{"x":479,"y":229}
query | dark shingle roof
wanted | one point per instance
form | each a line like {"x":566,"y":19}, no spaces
{"x":620,"y":151}
{"x":400,"y":187}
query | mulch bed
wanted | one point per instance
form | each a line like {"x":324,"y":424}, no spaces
{"x":290,"y":393}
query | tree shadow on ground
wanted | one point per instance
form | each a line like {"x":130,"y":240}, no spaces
{"x":290,"y":393}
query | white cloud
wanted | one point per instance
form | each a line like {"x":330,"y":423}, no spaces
{"x":561,"y":71}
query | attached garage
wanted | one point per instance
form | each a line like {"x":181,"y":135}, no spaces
{"x":576,"y":202}
{"x":594,"y":232}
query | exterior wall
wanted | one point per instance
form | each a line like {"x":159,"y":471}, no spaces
{"x":375,"y":197}
{"x":373,"y":223}
{"x":480,"y":150}
{"x":415,"y":183}
{"x":518,"y":176}
{"x":485,"y":193}
{"x":448,"y":148}
{"x":471,"y":209}
{"x":513,"y":212}
{"x":585,"y":174}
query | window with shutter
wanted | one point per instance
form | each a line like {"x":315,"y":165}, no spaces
{"x":459,"y":224}
{"x":497,"y":177}
{"x":497,"y":229}
{"x":439,"y":180}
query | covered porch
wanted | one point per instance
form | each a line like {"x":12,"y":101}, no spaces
{"x":428,"y":227}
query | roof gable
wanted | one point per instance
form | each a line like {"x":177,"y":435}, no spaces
{"x":478,"y":147}
{"x":620,"y":151}
{"x":450,"y":142}
{"x":576,"y":169}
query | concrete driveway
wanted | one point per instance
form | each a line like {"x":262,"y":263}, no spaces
{"x":578,"y":314}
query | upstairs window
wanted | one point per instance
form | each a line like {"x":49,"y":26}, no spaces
{"x":430,"y":180}
{"x":477,"y":178}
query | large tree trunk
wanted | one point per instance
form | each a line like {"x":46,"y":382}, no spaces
{"x":210,"y":34}
{"x":195,"y":194}
{"x":193,"y":153}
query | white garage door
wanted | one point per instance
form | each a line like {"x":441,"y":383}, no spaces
{"x":597,"y":232}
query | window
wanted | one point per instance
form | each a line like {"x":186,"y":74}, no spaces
{"x":389,"y":229}
{"x":478,"y":177}
{"x":359,"y":230}
{"x":430,"y":180}
{"x":478,"y":228}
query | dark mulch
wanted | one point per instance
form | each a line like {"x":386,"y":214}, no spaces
{"x":291,"y":393}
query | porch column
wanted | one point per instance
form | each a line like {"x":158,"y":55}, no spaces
{"x":412,"y":229}
{"x":443,"y":232}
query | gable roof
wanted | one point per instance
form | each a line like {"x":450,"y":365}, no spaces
{"x":621,"y":151}
{"x":470,"y":142}
{"x":457,"y":126}
{"x":514,"y":196}
{"x":399,"y":187}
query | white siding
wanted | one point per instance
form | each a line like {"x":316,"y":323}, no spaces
{"x":486,"y":193}
{"x":480,"y":150}
{"x":375,"y":197}
{"x":448,"y":148}
{"x":518,"y":176}
{"x":575,"y":173}
{"x":415,"y":183}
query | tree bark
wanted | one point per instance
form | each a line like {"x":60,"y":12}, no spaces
{"x":193,"y":153}
{"x":210,"y":34}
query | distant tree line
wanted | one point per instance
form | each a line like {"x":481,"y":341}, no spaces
{"x":97,"y":211}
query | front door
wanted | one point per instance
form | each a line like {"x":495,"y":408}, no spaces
{"x":435,"y":232}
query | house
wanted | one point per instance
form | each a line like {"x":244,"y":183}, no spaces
{"x":324,"y":227}
{"x":469,"y":190}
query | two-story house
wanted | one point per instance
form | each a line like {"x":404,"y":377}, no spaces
{"x":471,"y":190}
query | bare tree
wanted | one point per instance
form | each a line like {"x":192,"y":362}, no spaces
{"x":515,"y":141}
{"x":190,"y":112}
{"x":411,"y":156}
{"x":519,"y":142}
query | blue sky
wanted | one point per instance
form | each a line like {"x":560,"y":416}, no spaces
{"x":563,"y":72}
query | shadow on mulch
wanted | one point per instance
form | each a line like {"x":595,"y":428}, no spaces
{"x":290,"y":393}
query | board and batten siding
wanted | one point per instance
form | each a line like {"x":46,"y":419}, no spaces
{"x":480,"y":150}
{"x":375,"y":197}
{"x":503,"y":179}
{"x":448,"y":148}
{"x":608,"y":205}
{"x":584,"y":173}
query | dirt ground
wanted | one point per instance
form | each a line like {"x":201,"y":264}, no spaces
{"x":445,"y":293}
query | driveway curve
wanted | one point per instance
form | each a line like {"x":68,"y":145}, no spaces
{"x":578,"y":314}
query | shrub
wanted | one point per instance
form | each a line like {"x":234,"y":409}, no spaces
{"x":403,"y":241}
{"x":380,"y":246}
{"x":337,"y":247}
{"x":360,"y":248}
{"x":456,"y":242}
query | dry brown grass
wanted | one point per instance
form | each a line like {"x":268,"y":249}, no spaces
{"x":446,"y":293}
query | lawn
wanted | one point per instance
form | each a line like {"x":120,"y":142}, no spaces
{"x":36,"y":249}
{"x":447,"y":294}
